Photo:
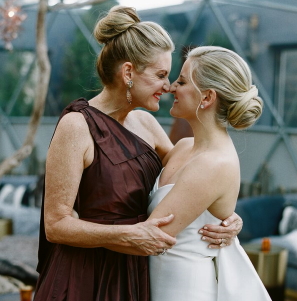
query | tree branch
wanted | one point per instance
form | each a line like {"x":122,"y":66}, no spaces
{"x":44,"y":70}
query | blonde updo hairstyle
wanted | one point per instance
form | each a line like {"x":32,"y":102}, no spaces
{"x":228,"y":74}
{"x":127,"y":39}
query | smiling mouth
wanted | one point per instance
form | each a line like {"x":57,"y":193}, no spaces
{"x":157,"y":96}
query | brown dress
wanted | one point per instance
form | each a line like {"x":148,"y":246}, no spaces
{"x":113,"y":190}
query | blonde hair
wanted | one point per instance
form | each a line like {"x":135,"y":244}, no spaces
{"x":228,"y":74}
{"x":127,"y":39}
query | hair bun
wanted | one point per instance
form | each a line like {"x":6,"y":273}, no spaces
{"x":250,"y":94}
{"x":117,"y":21}
{"x":244,"y":113}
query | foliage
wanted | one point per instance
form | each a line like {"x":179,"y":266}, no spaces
{"x":79,"y":77}
{"x":15,"y":64}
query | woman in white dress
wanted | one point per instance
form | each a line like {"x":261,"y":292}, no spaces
{"x":201,"y":181}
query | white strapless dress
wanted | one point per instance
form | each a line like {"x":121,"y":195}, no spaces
{"x":190,"y":271}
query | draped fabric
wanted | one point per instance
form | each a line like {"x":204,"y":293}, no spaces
{"x":190,"y":271}
{"x":114,"y":189}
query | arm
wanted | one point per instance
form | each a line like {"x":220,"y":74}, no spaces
{"x":182,"y":199}
{"x":215,"y":234}
{"x":71,"y":151}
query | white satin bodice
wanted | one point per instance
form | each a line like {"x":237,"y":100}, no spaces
{"x":191,"y":271}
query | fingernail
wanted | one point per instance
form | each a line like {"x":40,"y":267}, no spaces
{"x":210,"y":247}
{"x":203,"y":237}
{"x":225,"y":223}
{"x":200,"y":231}
{"x":205,"y":228}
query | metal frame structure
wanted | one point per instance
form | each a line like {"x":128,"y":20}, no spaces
{"x":213,"y":5}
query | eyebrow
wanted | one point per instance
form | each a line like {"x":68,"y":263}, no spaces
{"x":182,"y":76}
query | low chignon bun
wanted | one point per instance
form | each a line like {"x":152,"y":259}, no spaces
{"x":243,"y":114}
{"x":118,"y":20}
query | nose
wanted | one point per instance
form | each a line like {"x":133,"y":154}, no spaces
{"x":166,"y":85}
{"x":172,"y":88}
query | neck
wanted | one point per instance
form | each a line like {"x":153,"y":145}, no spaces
{"x":207,"y":134}
{"x":113,"y":104}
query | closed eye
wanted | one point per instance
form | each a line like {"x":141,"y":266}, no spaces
{"x":181,"y":83}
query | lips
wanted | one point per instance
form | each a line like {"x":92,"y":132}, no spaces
{"x":157,"y":95}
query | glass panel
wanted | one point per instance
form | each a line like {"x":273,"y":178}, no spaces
{"x":289,"y":90}
{"x":17,"y":87}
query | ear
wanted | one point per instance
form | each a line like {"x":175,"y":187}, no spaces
{"x":208,"y":98}
{"x":127,"y":69}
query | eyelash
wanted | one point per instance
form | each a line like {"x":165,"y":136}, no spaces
{"x":181,"y":83}
{"x":161,"y":76}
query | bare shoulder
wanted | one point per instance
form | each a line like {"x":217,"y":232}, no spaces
{"x":183,"y":143}
{"x":73,"y":122}
{"x":180,"y":146}
{"x":72,"y":138}
{"x":144,"y":117}
{"x":154,"y":132}
{"x":212,"y":167}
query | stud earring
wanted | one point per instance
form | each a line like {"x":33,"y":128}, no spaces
{"x":128,"y":94}
{"x":202,"y":106}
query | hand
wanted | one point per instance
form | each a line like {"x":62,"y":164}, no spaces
{"x":223,"y":235}
{"x":147,"y":239}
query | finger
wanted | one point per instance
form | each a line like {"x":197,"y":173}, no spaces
{"x":213,"y":246}
{"x":163,"y":220}
{"x":215,"y":241}
{"x":216,"y":246}
{"x":231,"y":219}
{"x":216,"y":232}
{"x":169,"y":245}
{"x":169,"y":242}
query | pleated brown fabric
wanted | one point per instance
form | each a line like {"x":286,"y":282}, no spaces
{"x":113,"y":190}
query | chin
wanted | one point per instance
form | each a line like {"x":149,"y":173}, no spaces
{"x":173,"y":113}
{"x":153,"y":108}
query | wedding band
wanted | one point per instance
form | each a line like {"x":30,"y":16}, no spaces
{"x":223,"y":242}
{"x":164,"y":251}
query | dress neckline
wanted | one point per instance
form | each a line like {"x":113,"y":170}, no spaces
{"x":138,"y":137}
{"x":158,"y":180}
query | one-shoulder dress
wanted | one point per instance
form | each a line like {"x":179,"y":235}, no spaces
{"x":190,"y":271}
{"x":113,"y":190}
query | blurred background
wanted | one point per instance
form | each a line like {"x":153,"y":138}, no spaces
{"x":263,"y":32}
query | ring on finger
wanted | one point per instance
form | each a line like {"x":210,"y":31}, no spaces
{"x":163,"y":252}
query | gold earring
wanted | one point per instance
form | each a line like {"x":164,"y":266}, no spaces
{"x":128,"y":94}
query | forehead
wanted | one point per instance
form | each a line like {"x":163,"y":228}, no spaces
{"x":186,"y":68}
{"x":162,"y":62}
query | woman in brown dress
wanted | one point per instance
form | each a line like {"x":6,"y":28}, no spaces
{"x":102,"y":162}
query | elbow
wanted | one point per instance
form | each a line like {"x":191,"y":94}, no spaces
{"x":50,"y":234}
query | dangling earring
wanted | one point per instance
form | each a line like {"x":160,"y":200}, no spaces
{"x":202,"y":106}
{"x":129,"y":86}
